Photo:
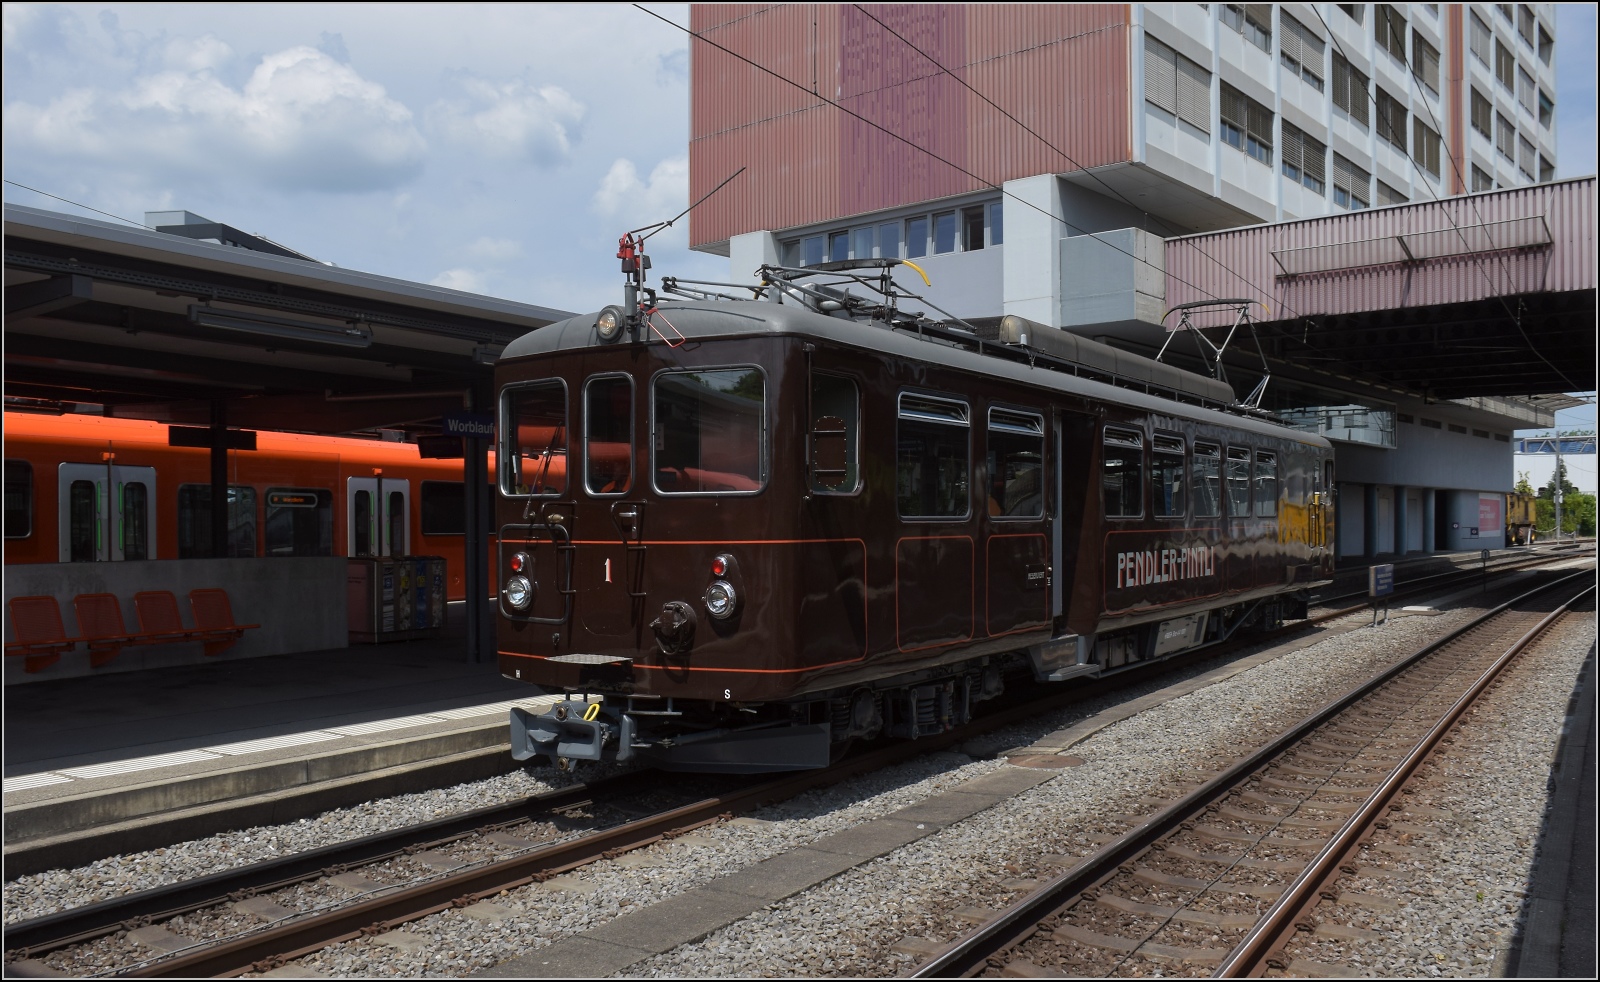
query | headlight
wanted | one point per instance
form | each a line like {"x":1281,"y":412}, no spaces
{"x":519,"y":592}
{"x":610,"y":322}
{"x":721,"y":600}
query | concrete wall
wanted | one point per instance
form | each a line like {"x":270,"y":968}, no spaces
{"x":1104,"y":285}
{"x":1429,"y":458}
{"x":1470,"y":519}
{"x":299,"y":603}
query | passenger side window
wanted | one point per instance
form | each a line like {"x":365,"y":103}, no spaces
{"x":1266,"y":484}
{"x":1167,"y":491}
{"x":1016,"y":464}
{"x":194,"y":521}
{"x":835,"y":466}
{"x":1122,"y":478}
{"x":1207,"y":480}
{"x":933,"y":457}
{"x":1238,"y":482}
{"x":300,"y":521}
{"x":19,"y":499}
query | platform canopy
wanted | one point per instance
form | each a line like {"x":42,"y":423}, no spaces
{"x":1482,"y":295}
{"x":154,"y":325}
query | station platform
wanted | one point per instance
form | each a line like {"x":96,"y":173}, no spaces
{"x":93,"y":764}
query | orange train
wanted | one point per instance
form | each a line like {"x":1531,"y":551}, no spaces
{"x":294,"y":495}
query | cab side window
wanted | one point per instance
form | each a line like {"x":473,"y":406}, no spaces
{"x":835,"y":464}
{"x":933,"y":457}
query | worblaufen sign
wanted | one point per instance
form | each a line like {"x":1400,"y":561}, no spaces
{"x":476,"y":425}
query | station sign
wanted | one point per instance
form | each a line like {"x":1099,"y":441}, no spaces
{"x":1380,"y":580}
{"x":478,"y":426}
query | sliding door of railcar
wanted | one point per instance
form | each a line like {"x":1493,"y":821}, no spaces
{"x":378,"y":511}
{"x":106,"y":512}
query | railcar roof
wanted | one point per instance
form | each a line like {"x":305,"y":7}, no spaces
{"x":706,"y":320}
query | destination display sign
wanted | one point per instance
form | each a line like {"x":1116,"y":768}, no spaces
{"x":292,"y":499}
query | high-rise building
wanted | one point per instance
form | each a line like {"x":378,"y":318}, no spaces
{"x":979,"y":140}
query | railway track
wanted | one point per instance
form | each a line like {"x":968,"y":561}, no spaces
{"x":1220,"y":880}
{"x":257,"y":917}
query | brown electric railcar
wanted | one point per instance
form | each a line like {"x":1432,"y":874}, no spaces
{"x":759,"y":529}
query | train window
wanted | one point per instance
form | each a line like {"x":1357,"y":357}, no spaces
{"x":135,"y":530}
{"x":710,"y":431}
{"x":1166,"y":478}
{"x":1122,"y":479}
{"x":534,"y":437}
{"x":835,"y":432}
{"x":395,"y":543}
{"x":19,"y":499}
{"x":608,"y":434}
{"x":1266,"y":484}
{"x":83,"y":510}
{"x":194,"y":521}
{"x":300,"y":521}
{"x":361,"y":519}
{"x":1207,"y":480}
{"x":932,"y":466}
{"x":1016,"y":464}
{"x":1238,"y":482}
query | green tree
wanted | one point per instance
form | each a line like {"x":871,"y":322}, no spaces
{"x":1524,"y":486}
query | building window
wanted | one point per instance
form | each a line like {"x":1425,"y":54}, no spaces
{"x":1505,"y":66}
{"x":1482,"y":114}
{"x":889,"y":240}
{"x":1246,"y":124}
{"x":1349,"y":89}
{"x":1389,"y":29}
{"x":838,"y":247}
{"x":1480,"y":39}
{"x":1253,"y":20}
{"x":1505,"y":11}
{"x":1526,"y":158}
{"x":1425,"y":62}
{"x":1392,"y":120}
{"x":944,"y":232}
{"x":1352,"y":186}
{"x":916,"y":237}
{"x":997,"y":214}
{"x":1525,"y":23}
{"x":814,"y":250}
{"x":1355,"y":11}
{"x":1547,"y":45}
{"x":1547,"y":110}
{"x":1301,"y":50}
{"x":1547,"y":170}
{"x":1177,"y":85}
{"x":1527,"y":92}
{"x":1305,"y":159}
{"x":1480,"y":180}
{"x":1424,"y":146}
{"x":861,"y":243}
{"x":972,"y":229}
{"x":1389,"y":196}
{"x":1506,"y":141}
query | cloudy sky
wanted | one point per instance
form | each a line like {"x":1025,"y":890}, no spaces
{"x":499,"y":149}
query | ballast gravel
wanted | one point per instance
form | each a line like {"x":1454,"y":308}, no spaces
{"x":850,"y":924}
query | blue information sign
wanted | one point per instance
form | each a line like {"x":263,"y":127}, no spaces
{"x":1380,"y":580}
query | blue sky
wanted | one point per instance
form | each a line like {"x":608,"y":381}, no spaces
{"x":499,"y":149}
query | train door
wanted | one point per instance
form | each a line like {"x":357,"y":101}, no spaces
{"x":378,"y":516}
{"x":1016,"y":558}
{"x":107,"y":512}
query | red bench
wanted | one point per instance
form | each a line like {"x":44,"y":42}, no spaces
{"x":104,"y":633}
{"x":213,"y":615}
{"x":41,"y":636}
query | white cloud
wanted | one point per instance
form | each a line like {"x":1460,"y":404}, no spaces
{"x":623,"y":194}
{"x":467,"y":280}
{"x":300,"y":121}
{"x":511,"y":120}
